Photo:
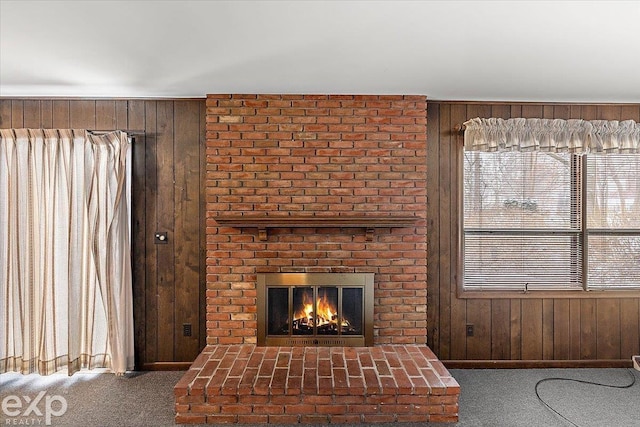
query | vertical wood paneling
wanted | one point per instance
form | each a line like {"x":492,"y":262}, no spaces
{"x":151,"y":203}
{"x":608,"y":328}
{"x":61,"y":114}
{"x":17,"y":114}
{"x":630,"y":112}
{"x":547,"y":328}
{"x":517,"y":329}
{"x":82,"y":114}
{"x":589,"y":112}
{"x":588,"y":329}
{"x":444,"y":214}
{"x":515,"y":325}
{"x":187,"y":211}
{"x":575,"y":112}
{"x":166,"y":222}
{"x":453,"y":322}
{"x":46,"y":114}
{"x":531,"y":329}
{"x":500,"y":329}
{"x":501,"y":111}
{"x":122,"y":115}
{"x":479,"y":315}
{"x":31,"y":115}
{"x":135,"y":119}
{"x":629,"y":328}
{"x":159,"y":311}
{"x":458,"y":329}
{"x":608,"y":112}
{"x":203,"y":225}
{"x":457,"y":315}
{"x":433,"y":223}
{"x":106,"y":115}
{"x":516,"y":110}
{"x":561,"y":329}
{"x":5,"y":113}
{"x":532,"y":111}
{"x":561,"y":112}
{"x":575,"y":326}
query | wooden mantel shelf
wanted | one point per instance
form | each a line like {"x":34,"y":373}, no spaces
{"x":263,"y":223}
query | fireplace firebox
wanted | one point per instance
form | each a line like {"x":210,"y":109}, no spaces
{"x":315,"y":309}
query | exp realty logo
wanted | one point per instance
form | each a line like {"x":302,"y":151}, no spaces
{"x":32,"y":411}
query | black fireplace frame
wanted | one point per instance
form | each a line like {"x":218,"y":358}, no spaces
{"x":316,"y":280}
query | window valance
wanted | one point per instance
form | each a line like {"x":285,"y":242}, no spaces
{"x":553,"y":135}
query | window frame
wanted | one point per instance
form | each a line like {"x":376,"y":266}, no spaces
{"x":584,"y":232}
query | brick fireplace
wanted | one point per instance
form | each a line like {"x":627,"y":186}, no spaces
{"x":316,"y":184}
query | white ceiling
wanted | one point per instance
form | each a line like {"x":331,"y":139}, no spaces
{"x":565,"y":51}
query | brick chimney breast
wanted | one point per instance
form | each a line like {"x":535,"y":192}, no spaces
{"x":316,"y":156}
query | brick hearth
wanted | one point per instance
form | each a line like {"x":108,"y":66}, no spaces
{"x":286,"y":385}
{"x":316,"y":156}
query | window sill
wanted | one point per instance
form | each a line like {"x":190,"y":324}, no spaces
{"x":497,"y":294}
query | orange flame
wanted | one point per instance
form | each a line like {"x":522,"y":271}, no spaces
{"x":326,"y":312}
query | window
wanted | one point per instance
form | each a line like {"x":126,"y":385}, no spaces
{"x":551,"y":221}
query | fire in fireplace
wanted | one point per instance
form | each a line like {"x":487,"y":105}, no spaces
{"x":320,"y":309}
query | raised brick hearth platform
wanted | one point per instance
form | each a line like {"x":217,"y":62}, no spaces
{"x":320,"y":385}
{"x":316,"y":158}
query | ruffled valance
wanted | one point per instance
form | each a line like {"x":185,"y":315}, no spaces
{"x":554,"y":135}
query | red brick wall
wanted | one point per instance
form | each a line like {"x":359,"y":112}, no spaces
{"x":316,"y":155}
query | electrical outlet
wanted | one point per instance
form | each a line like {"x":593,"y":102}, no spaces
{"x":186,"y":329}
{"x":469,"y":330}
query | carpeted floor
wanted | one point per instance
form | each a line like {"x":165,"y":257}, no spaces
{"x":507,"y":398}
{"x":489,"y":397}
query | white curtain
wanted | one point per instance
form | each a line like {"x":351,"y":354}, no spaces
{"x":555,"y":135}
{"x":65,"y":265}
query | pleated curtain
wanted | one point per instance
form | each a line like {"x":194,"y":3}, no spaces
{"x":552,"y":135}
{"x":65,"y":263}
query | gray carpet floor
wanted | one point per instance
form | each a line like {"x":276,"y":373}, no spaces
{"x":489,"y":397}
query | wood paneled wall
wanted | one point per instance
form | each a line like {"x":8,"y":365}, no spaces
{"x":168,"y":170}
{"x":552,"y":331}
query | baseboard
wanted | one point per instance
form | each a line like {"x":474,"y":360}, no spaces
{"x":520,"y":364}
{"x":166,"y":366}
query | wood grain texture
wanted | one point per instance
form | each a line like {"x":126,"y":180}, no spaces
{"x":165,"y":222}
{"x":17,"y":114}
{"x":536,"y":330}
{"x":187,"y":225}
{"x":135,"y":118}
{"x":434,"y":316}
{"x":500,"y":329}
{"x":202,"y":278}
{"x":151,"y":259}
{"x":5,"y":113}
{"x":445,"y":194}
{"x":158,"y":311}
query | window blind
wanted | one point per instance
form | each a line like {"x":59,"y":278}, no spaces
{"x":522,"y":221}
{"x":613,"y":221}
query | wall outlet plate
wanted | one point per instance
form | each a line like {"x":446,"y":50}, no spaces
{"x":469,"y":330}
{"x":186,"y":329}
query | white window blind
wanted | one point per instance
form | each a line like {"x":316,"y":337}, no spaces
{"x":525,"y":227}
{"x":521,"y":221}
{"x":613,"y":221}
